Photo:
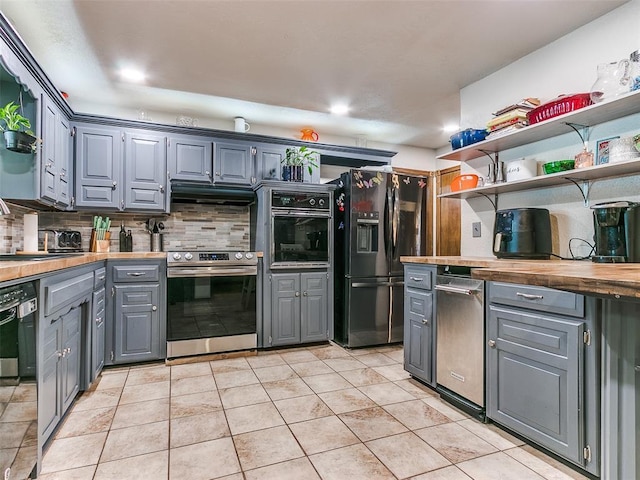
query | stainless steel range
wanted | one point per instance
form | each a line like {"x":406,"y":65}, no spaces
{"x":211,"y":305}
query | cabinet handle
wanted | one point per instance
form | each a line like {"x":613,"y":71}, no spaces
{"x":208,"y":173}
{"x":114,"y":185}
{"x":48,"y":165}
{"x":161,"y":188}
{"x":492,"y":343}
{"x":217,"y":174}
{"x":425,"y":321}
{"x":528,"y":296}
{"x":98,"y":321}
{"x":136,"y":274}
{"x":637,"y":368}
{"x":154,"y":308}
{"x":416,"y":279}
{"x":297,"y":294}
{"x":62,"y":174}
{"x":304,"y":294}
{"x":101,"y":277}
{"x":59,"y":354}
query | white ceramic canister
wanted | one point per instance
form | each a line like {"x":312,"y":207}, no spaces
{"x":521,"y":169}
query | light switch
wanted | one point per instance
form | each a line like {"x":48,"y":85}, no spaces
{"x":475,"y":229}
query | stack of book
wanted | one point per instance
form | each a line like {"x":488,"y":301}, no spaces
{"x":511,"y":118}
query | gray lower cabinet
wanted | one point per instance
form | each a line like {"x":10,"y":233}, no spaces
{"x":419,"y":322}
{"x":542,"y":369}
{"x":298,"y":308}
{"x":98,"y":332}
{"x":64,"y":318}
{"x":137,"y":304}
{"x":190,"y":158}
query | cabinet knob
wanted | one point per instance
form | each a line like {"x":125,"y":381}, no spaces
{"x":63,"y":174}
{"x":217,"y":174}
{"x":48,"y":165}
{"x":425,"y":321}
{"x":161,"y":188}
{"x":98,"y":321}
{"x":154,"y":308}
{"x":297,"y":294}
{"x":114,"y":185}
{"x":492,"y":343}
{"x":207,"y":173}
{"x":304,"y":294}
{"x":59,"y":354}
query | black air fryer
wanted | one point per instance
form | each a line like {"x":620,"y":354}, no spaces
{"x":522,"y":233}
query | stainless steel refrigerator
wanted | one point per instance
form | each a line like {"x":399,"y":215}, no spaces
{"x":379,"y":217}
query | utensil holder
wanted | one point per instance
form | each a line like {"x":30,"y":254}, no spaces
{"x":100,"y":246}
{"x":156,"y":242}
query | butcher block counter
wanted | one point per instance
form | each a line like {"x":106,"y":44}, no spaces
{"x":14,"y":269}
{"x":618,"y":280}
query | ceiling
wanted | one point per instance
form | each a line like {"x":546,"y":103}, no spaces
{"x":398,"y":64}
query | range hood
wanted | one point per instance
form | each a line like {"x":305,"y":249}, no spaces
{"x":189,"y":192}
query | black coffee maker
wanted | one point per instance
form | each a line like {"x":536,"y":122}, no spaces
{"x":617,"y":232}
{"x":522,"y":233}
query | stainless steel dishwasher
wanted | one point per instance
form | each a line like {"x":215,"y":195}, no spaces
{"x":460,"y":339}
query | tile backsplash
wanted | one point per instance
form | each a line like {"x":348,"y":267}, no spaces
{"x":188,"y":227}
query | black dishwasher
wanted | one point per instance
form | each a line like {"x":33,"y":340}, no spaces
{"x":18,"y":389}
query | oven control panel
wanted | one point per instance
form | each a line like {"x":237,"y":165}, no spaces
{"x":208,"y":258}
{"x":300,"y":200}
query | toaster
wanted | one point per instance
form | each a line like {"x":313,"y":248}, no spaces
{"x":61,"y":240}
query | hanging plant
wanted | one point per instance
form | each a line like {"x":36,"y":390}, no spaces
{"x":17,"y":129}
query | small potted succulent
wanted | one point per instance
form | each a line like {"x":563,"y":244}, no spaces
{"x":16,"y":129}
{"x":294,"y":162}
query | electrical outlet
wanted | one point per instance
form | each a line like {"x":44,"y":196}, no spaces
{"x":475,"y":229}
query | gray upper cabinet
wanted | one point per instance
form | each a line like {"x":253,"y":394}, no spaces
{"x":56,"y":156}
{"x":269,"y":161}
{"x":298,"y":308}
{"x":190,"y":158}
{"x":98,"y":164}
{"x":145,"y":166}
{"x":233,"y":163}
{"x":120,"y":169}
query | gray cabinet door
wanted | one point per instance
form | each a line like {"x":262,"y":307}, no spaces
{"x":190,"y":158}
{"x":145,"y":166}
{"x":137,"y":323}
{"x":71,"y":355}
{"x":233,"y":163}
{"x":98,"y":160}
{"x":535,"y":378}
{"x":269,"y":161}
{"x":49,"y":396}
{"x":418,"y":334}
{"x":97,"y":332}
{"x":313,"y":307}
{"x":55,"y":173}
{"x":285,"y":305}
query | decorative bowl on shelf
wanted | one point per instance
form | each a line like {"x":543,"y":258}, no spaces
{"x":467,"y":137}
{"x":464,"y":182}
{"x":558,"y":166}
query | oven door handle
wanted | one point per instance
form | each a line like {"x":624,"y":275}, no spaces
{"x":211,"y":272}
{"x":300,"y":213}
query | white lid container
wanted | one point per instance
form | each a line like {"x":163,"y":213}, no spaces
{"x":521,"y":169}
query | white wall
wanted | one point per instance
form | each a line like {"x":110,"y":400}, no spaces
{"x":565,"y":66}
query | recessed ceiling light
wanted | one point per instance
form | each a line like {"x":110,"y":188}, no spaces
{"x":132,"y":75}
{"x":339,"y":109}
{"x":452,"y":127}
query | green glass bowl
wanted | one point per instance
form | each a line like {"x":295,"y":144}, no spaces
{"x":558,"y":166}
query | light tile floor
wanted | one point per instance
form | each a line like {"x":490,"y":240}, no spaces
{"x":308,"y":413}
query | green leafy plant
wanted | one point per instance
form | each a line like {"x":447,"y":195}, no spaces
{"x":301,"y":157}
{"x":13,"y":120}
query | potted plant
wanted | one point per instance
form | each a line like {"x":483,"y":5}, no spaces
{"x":17,"y":134}
{"x":295,"y":160}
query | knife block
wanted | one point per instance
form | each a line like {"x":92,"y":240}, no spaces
{"x":100,"y":246}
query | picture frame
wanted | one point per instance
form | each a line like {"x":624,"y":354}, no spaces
{"x":602,"y":150}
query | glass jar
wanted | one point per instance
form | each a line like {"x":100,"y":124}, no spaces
{"x":613,"y":80}
{"x":584,"y":159}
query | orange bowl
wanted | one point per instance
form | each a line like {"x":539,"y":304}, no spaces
{"x":464,"y":182}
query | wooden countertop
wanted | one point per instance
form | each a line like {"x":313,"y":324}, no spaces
{"x":611,"y":280}
{"x":13,"y":269}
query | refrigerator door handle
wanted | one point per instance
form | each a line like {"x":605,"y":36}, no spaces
{"x":388,"y":230}
{"x":396,"y":219}
{"x":390,"y":315}
{"x":373,"y":284}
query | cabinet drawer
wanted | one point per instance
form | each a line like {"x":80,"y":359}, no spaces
{"x":537,"y":298}
{"x":99,"y":277}
{"x":136,"y":273}
{"x":59,"y":294}
{"x":418,"y":277}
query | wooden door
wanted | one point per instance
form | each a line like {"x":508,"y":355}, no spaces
{"x":447,"y":215}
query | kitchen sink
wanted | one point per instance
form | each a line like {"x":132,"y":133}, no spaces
{"x":35,"y":257}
